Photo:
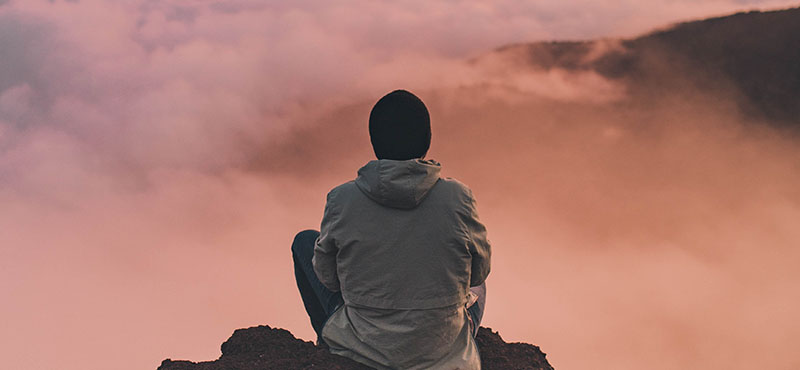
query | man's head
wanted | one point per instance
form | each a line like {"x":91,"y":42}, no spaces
{"x":400,"y":126}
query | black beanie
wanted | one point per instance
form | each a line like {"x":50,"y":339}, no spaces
{"x":400,"y":126}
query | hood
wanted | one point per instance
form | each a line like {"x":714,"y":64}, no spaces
{"x":398,"y":184}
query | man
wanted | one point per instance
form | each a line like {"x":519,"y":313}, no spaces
{"x":395,"y":277}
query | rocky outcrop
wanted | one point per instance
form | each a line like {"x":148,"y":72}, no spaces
{"x":263,"y":347}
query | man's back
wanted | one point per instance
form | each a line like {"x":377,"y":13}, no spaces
{"x":404,"y":246}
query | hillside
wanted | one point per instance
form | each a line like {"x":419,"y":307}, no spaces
{"x":754,"y":56}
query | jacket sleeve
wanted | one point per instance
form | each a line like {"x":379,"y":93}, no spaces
{"x":479,"y":246}
{"x":325,"y":249}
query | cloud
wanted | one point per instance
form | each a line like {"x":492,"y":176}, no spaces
{"x":156,"y":157}
{"x":189,"y":81}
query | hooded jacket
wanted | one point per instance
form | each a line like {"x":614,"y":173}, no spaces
{"x":403,"y":245}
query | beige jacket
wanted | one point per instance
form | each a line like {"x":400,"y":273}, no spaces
{"x":403,"y":245}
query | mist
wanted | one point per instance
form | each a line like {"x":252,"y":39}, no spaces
{"x":156,"y":160}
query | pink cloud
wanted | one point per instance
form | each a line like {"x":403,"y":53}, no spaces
{"x":157,"y":157}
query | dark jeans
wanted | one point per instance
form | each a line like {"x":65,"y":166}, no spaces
{"x":320,"y":302}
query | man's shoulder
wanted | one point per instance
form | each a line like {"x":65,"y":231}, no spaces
{"x":453,"y":184}
{"x":343,"y":189}
{"x":454,"y":187}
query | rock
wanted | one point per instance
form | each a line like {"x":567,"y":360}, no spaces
{"x":497,"y":354}
{"x":263,"y":347}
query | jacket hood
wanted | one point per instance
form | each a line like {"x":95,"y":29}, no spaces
{"x":398,"y":184}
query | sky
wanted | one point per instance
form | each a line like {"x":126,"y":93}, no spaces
{"x":157,"y":158}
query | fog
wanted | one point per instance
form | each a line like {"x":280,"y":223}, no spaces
{"x":157,"y":158}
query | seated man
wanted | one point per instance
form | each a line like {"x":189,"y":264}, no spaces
{"x":394,"y":279}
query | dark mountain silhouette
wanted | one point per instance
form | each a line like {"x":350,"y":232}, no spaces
{"x":753,"y":56}
{"x":262,"y":348}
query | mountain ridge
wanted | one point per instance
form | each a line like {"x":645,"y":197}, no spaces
{"x":752,"y":56}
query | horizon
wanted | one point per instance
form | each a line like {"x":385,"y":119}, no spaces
{"x":154,"y":173}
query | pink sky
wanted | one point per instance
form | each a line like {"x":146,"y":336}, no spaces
{"x":156,"y":159}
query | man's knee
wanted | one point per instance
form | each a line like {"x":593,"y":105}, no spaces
{"x":303,"y":240}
